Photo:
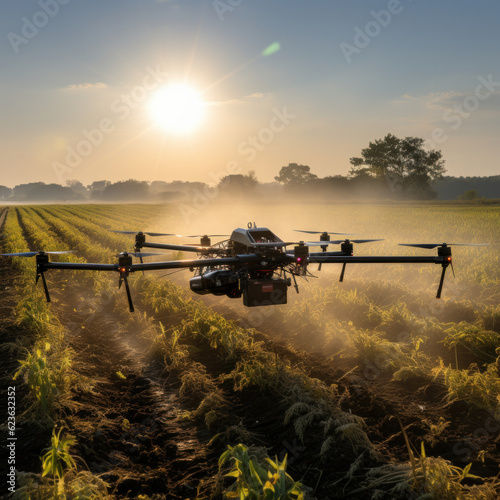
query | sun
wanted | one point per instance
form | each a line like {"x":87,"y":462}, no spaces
{"x":178,"y":108}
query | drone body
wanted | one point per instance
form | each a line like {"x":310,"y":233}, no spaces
{"x":260,"y":282}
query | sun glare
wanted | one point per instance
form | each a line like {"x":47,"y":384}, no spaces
{"x":178,"y":108}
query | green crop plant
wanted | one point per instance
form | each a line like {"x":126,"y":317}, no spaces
{"x":56,"y":459}
{"x":472,"y":338}
{"x":162,"y":296}
{"x":48,"y":374}
{"x":40,"y":379}
{"x":66,"y":482}
{"x":424,"y":478}
{"x":32,"y":312}
{"x":256,"y":479}
{"x":490,"y":318}
{"x":435,"y":431}
{"x":218,"y":332}
{"x":480,"y":389}
{"x":176,"y":353}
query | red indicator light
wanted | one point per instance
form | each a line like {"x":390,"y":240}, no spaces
{"x":122,"y":269}
{"x":449,"y":259}
{"x":299,"y":260}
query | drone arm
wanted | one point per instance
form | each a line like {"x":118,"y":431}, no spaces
{"x":178,"y":264}
{"x":81,"y":266}
{"x":357,"y":259}
{"x":181,"y":248}
{"x":321,"y":254}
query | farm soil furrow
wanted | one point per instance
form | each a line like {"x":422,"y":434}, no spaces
{"x":130,"y":427}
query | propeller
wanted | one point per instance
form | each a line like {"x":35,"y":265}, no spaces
{"x":149,"y":234}
{"x":335,"y":242}
{"x":138,"y":254}
{"x":444,"y":251}
{"x":172,"y":234}
{"x":32,"y":254}
{"x":201,"y":235}
{"x":320,"y":232}
{"x":435,"y":245}
{"x":41,"y":259}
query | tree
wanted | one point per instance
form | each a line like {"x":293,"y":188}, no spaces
{"x":295,"y":175}
{"x":130,"y":190}
{"x":469,"y":195}
{"x":403,"y":163}
{"x":5,"y":192}
{"x":238,"y":184}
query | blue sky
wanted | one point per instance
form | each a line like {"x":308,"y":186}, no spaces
{"x":347,"y":72}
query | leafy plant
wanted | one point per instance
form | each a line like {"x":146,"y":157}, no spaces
{"x":58,"y":456}
{"x":40,"y":379}
{"x":256,"y":480}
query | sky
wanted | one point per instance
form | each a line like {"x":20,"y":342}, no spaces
{"x":264,"y":83}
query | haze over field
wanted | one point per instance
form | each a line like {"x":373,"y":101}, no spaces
{"x":197,"y":90}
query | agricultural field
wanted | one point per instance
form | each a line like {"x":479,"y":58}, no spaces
{"x":367,"y":389}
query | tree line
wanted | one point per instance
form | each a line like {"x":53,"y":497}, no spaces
{"x":389,"y":168}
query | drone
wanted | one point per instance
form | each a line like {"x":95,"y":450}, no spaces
{"x":253,"y":264}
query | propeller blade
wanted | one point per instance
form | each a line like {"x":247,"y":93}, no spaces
{"x":161,"y":234}
{"x":322,"y":243}
{"x":365,"y":241}
{"x":139,"y":254}
{"x":421,"y":245}
{"x":469,"y":244}
{"x":334,"y":242}
{"x":321,"y":232}
{"x":201,"y":235}
{"x":171,"y":234}
{"x":19,"y":254}
{"x":435,"y":245}
{"x":32,"y":254}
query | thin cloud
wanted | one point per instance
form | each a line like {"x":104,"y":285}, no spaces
{"x":447,"y":100}
{"x":251,"y":98}
{"x":86,"y":86}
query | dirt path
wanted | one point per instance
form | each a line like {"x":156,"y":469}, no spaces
{"x":130,"y":428}
{"x":2,"y":216}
